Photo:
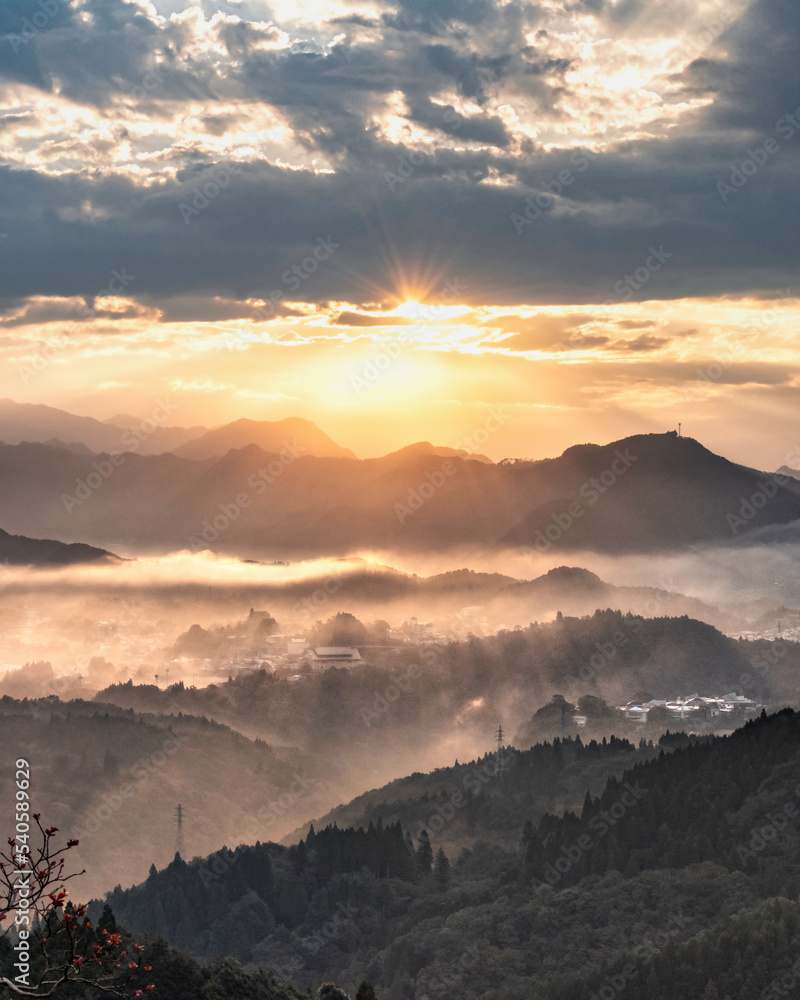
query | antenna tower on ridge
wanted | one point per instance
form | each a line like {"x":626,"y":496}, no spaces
{"x":180,"y":844}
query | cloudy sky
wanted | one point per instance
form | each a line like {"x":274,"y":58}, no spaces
{"x":395,"y":217}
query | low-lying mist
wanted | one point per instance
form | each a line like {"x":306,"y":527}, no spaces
{"x":95,"y":625}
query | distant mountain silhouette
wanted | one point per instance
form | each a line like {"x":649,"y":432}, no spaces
{"x":16,"y":550}
{"x":426,"y":448}
{"x":649,"y":492}
{"x":38,"y":423}
{"x":272,"y":436}
{"x":642,"y":494}
{"x":577,"y":591}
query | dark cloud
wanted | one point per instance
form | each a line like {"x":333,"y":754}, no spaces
{"x":488,"y":129}
{"x":641,"y":344}
{"x":359,"y":319}
{"x":451,"y":210}
{"x":543,"y":333}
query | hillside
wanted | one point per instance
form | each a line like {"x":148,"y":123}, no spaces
{"x":293,"y":436}
{"x":420,"y":708}
{"x":667,"y":493}
{"x":113,"y":779}
{"x":663,"y":874}
{"x":150,"y":433}
{"x":16,"y":550}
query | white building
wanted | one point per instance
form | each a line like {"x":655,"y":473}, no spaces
{"x":321,"y":657}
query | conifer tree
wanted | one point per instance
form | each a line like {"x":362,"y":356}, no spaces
{"x":442,"y":867}
{"x":424,"y":853}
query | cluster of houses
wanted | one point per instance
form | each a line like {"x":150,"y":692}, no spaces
{"x":693,"y":707}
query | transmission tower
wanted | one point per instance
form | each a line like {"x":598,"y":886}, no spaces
{"x":501,"y":750}
{"x":180,"y":845}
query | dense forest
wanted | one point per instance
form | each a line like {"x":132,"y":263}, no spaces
{"x":680,"y":880}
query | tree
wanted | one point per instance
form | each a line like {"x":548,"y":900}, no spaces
{"x":56,"y":946}
{"x":366,"y":991}
{"x":442,"y":867}
{"x":343,"y":629}
{"x":424,"y":853}
{"x":595,"y":708}
{"x":330,"y":991}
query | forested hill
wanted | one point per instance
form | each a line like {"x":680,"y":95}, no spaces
{"x":464,"y":688}
{"x":676,"y":868}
